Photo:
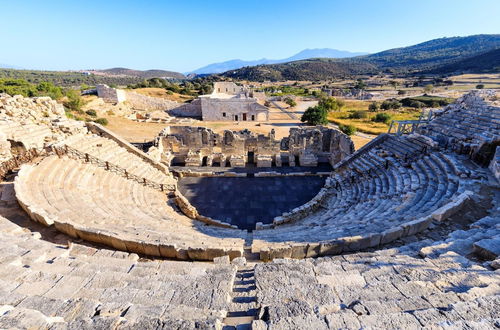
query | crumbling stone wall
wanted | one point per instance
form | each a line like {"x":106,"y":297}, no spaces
{"x":192,"y":109}
{"x":470,"y":126}
{"x":318,"y":144}
{"x":228,"y":87}
{"x":27,"y":123}
{"x":143,"y":102}
{"x":135,"y":100}
{"x":200,"y":146}
{"x":111,"y":95}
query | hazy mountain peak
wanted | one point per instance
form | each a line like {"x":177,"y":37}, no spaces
{"x":304,"y":54}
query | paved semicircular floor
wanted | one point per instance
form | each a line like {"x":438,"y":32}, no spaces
{"x":246,"y":201}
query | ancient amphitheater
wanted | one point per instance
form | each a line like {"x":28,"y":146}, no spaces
{"x":94,"y":233}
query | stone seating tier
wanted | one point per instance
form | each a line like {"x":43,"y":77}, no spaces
{"x":47,"y":285}
{"x":108,"y":150}
{"x":367,"y":204}
{"x":465,"y":125}
{"x":93,"y":204}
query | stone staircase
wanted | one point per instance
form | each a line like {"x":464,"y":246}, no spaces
{"x":243,"y":308}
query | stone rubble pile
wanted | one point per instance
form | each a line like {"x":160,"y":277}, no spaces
{"x":33,"y":122}
{"x":468,"y":124}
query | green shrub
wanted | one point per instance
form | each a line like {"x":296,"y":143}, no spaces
{"x":315,"y":116}
{"x":290,"y":102}
{"x":91,"y":113}
{"x":101,"y":121}
{"x":26,"y":89}
{"x":74,"y":101}
{"x":358,"y":115}
{"x":373,"y":107}
{"x":416,"y":104}
{"x":347,"y":129}
{"x":390,"y":104}
{"x":331,"y":103}
{"x":426,"y":100}
{"x":382,"y":118}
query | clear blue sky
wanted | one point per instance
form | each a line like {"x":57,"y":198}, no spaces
{"x":184,"y":35}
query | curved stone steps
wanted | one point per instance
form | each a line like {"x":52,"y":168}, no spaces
{"x":83,"y":196}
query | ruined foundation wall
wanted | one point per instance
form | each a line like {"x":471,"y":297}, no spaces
{"x":311,"y":145}
{"x":192,"y":109}
{"x":135,"y":100}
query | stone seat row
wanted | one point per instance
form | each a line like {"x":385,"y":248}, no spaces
{"x":93,"y":204}
{"x":423,"y":283}
{"x":30,"y":135}
{"x":471,"y":122}
{"x":108,"y":150}
{"x":391,"y":289}
{"x":367,"y":209}
{"x":48,"y":285}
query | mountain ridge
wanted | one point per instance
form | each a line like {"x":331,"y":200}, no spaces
{"x":421,"y":57}
{"x":235,"y":64}
{"x":153,"y":73}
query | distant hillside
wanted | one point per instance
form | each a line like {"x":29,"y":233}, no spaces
{"x":142,"y":74}
{"x":68,"y":78}
{"x":433,"y":53}
{"x":312,"y":69}
{"x":422,"y":57}
{"x":486,"y":62}
{"x":305,"y":54}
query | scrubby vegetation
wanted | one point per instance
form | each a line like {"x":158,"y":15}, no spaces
{"x":102,"y":121}
{"x":291,"y":102}
{"x":426,"y":101}
{"x":347,"y":129}
{"x":331,"y":103}
{"x":318,"y":115}
{"x":27,"y":89}
{"x":66,"y":79}
{"x":357,"y":114}
{"x":192,"y":88}
{"x":382,"y":118}
{"x":285,"y":90}
{"x":315,"y":116}
{"x":390,"y":104}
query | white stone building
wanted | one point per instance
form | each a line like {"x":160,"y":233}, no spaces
{"x":231,"y":102}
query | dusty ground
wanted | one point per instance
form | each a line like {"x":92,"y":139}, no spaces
{"x":279,"y":121}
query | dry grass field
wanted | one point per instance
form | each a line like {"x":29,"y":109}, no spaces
{"x":163,"y":93}
{"x":367,"y":125}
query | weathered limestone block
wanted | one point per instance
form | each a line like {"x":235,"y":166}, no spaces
{"x":237,"y":161}
{"x":308,"y":159}
{"x":185,"y":206}
{"x":453,"y":207}
{"x":331,"y":248}
{"x":412,"y":227}
{"x":487,"y":248}
{"x":264,"y":160}
{"x":391,"y":235}
{"x":495,"y":164}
